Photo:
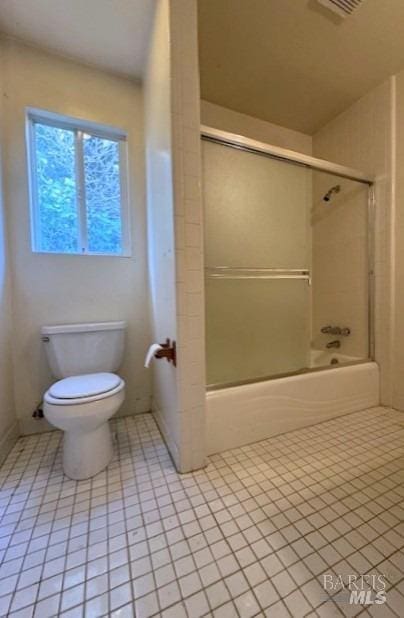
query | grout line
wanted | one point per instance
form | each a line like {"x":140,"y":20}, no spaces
{"x":280,"y":481}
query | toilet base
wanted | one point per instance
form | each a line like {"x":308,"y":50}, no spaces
{"x":87,"y":453}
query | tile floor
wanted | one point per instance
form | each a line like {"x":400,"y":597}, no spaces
{"x":252,"y":535}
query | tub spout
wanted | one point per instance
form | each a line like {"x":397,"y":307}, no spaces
{"x":333,"y":344}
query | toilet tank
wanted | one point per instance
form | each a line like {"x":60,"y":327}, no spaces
{"x":76,"y":349}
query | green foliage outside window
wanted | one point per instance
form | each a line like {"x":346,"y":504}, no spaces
{"x":56,"y":175}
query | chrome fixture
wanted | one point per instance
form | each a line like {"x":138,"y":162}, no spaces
{"x":232,"y":140}
{"x":343,"y":8}
{"x":336,"y":330}
{"x":333,"y":344}
{"x":242,"y":272}
{"x":335,"y":189}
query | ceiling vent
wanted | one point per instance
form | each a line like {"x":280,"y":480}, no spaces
{"x":343,"y":8}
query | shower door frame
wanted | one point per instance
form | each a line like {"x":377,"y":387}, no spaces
{"x":247,"y":144}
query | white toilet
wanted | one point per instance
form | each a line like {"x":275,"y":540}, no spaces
{"x":84,"y":355}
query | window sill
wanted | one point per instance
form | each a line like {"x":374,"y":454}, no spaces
{"x":86,"y":255}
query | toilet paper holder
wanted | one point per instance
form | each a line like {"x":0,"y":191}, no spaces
{"x":168,"y":351}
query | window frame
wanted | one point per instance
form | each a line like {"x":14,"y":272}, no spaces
{"x":79,"y":127}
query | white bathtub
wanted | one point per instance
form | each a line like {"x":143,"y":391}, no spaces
{"x":240,"y":415}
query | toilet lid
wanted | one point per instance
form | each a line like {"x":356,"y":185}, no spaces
{"x":84,"y":386}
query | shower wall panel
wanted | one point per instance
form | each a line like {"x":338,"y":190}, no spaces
{"x":340,"y":263}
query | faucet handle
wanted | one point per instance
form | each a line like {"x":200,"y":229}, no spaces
{"x":336,"y":330}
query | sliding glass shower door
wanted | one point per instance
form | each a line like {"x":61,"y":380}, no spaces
{"x":285,"y":261}
{"x":257,"y":248}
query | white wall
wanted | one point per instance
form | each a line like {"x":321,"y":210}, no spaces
{"x":160,"y":215}
{"x":219,"y":117}
{"x":51,"y":289}
{"x":175,"y":228}
{"x":361,"y":137}
{"x":8,"y":423}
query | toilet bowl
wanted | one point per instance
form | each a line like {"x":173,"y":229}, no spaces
{"x":81,"y":406}
{"x":86,"y":357}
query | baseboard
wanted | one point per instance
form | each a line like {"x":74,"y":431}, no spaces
{"x":8,"y":441}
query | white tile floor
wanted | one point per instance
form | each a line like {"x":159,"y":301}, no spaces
{"x":251,"y":535}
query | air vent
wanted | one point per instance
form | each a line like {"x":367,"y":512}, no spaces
{"x":343,"y":8}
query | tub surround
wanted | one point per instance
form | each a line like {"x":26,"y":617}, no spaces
{"x":244,"y":414}
{"x":363,"y":136}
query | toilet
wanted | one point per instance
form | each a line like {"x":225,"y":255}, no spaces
{"x":85,"y":358}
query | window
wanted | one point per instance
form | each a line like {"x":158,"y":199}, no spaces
{"x":78,"y":186}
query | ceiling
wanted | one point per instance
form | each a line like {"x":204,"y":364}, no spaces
{"x":110,"y":34}
{"x":293,"y":62}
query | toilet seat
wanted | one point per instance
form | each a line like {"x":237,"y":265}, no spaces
{"x":84,"y":389}
{"x":85,"y":385}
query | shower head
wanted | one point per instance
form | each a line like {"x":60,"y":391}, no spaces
{"x":335,"y":189}
{"x":343,"y":8}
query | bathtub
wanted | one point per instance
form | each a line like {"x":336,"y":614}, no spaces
{"x":239,"y":415}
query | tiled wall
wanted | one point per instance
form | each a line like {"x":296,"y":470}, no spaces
{"x":175,"y":229}
{"x":361,"y":138}
{"x":188,"y":231}
{"x":160,"y":224}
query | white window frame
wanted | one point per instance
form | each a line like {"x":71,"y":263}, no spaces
{"x":79,"y":127}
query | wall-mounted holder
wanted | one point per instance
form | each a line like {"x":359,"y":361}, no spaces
{"x":165,"y":350}
{"x":168,"y":351}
